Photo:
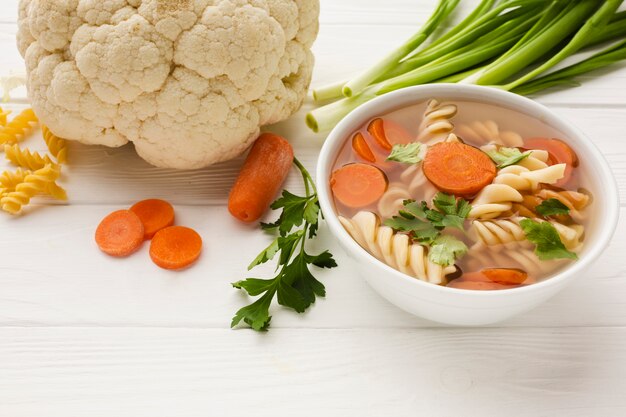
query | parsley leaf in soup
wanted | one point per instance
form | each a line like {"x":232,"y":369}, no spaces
{"x":552,"y":207}
{"x":452,"y":212}
{"x":413,"y":221}
{"x":446,"y":249}
{"x":505,"y":157}
{"x":547,"y":240}
{"x":406,"y":154}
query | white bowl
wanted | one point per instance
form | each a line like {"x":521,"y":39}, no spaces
{"x":458,"y":306}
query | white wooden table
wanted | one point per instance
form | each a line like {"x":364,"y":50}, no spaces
{"x":82,"y":334}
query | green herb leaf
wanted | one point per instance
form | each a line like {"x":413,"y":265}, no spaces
{"x":414,"y":220}
{"x":547,"y":240}
{"x":446,"y":249}
{"x":406,"y":154}
{"x":294,"y":285}
{"x":452,"y":211}
{"x":505,"y":157}
{"x":552,"y":207}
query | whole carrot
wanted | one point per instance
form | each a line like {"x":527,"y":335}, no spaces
{"x":261,"y":177}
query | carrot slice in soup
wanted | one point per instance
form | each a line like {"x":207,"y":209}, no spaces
{"x":155,"y":215}
{"x":458,"y":169}
{"x":377,"y":129}
{"x":560,"y":153}
{"x":120,"y":233}
{"x":175,"y":247}
{"x":506,"y":276}
{"x":361,"y":148}
{"x":358,"y":185}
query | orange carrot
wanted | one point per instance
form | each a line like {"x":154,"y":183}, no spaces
{"x":154,"y":214}
{"x":560,"y":153}
{"x":458,"y":169}
{"x":361,"y":148}
{"x":120,"y":233}
{"x":376,"y":128}
{"x":506,"y":276}
{"x":358,"y":185}
{"x":261,"y":177}
{"x":175,"y":247}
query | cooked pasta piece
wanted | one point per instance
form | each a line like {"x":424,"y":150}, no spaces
{"x":506,"y":231}
{"x":56,"y":145}
{"x":574,"y":200}
{"x":480,"y":133}
{"x":25,"y":158}
{"x":524,"y":179}
{"x":36,"y":183}
{"x":3,"y":116}
{"x":18,"y":128}
{"x":394,"y":249}
{"x":513,"y":255}
{"x":493,"y":200}
{"x":393,"y":200}
{"x":436,"y":124}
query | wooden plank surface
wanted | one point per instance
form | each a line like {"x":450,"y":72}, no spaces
{"x":99,"y":337}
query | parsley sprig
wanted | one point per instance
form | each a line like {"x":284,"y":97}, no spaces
{"x":425,"y":225}
{"x":294,"y":285}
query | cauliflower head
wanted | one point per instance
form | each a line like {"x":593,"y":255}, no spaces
{"x":189,"y":82}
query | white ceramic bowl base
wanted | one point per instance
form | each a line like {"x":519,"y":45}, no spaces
{"x":456,"y":306}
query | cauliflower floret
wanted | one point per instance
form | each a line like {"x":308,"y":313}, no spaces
{"x":189,"y":82}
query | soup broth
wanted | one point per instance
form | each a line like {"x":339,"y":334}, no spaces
{"x":515,"y":180}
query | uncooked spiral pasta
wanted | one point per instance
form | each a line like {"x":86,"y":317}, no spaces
{"x":395,"y":249}
{"x":26,"y":158}
{"x":504,"y":232}
{"x":36,"y":183}
{"x":3,"y":116}
{"x":484,"y":132}
{"x":10,"y":179}
{"x":17,"y":129}
{"x":436,"y":124}
{"x":56,"y":145}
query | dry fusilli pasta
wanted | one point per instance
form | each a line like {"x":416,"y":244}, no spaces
{"x":36,"y":183}
{"x":488,"y":132}
{"x":10,"y":179}
{"x":26,"y":158}
{"x":17,"y":129}
{"x":3,"y":116}
{"x":395,"y":249}
{"x":436,"y":124}
{"x":56,"y":145}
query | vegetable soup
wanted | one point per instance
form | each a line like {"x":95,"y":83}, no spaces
{"x":463,"y":194}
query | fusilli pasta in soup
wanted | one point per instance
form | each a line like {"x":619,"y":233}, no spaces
{"x":463,"y":194}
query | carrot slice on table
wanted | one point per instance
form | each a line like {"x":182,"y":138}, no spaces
{"x":120,"y":233}
{"x":155,"y":215}
{"x":376,"y":128}
{"x":506,"y":276}
{"x":361,"y":148}
{"x":560,"y":153}
{"x":358,"y":185}
{"x":458,"y":169}
{"x":261,"y":177}
{"x":175,"y":247}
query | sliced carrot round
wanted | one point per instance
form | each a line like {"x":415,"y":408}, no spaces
{"x":458,"y":169}
{"x":506,"y":276}
{"x":560,"y":153}
{"x":120,"y":233}
{"x":155,"y":215}
{"x":362,"y":149}
{"x":175,"y":247}
{"x":358,"y":185}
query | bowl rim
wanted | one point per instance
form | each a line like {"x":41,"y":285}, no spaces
{"x":413,"y":95}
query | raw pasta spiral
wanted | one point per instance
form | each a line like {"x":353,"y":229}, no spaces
{"x":10,"y":179}
{"x":3,"y":116}
{"x":56,"y":145}
{"x":395,"y":249}
{"x":488,"y":132}
{"x":506,"y":231}
{"x":17,"y":129}
{"x":36,"y":183}
{"x":26,"y":158}
{"x":436,"y":124}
